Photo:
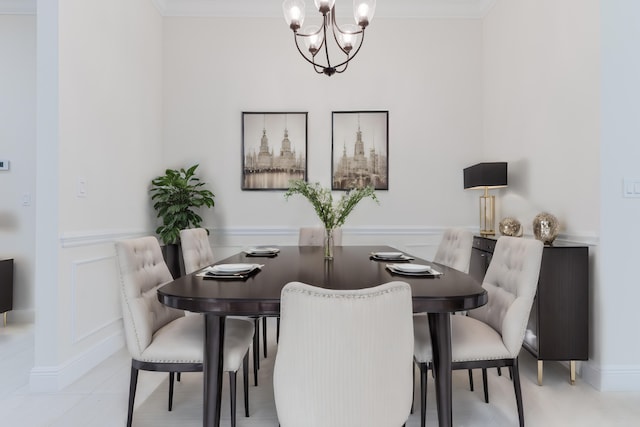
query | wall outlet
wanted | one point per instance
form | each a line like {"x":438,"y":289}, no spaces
{"x":4,"y":165}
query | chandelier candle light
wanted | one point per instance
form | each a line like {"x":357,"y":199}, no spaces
{"x":315,"y":38}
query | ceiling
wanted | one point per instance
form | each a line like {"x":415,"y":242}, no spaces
{"x":273,"y":8}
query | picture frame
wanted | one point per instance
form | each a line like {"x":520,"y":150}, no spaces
{"x":360,"y":149}
{"x":274,"y":149}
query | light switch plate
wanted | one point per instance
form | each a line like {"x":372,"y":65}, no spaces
{"x":4,"y":165}
{"x":631,"y":188}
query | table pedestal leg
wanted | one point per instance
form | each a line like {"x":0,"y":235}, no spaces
{"x":212,"y":369}
{"x":440,"y":329}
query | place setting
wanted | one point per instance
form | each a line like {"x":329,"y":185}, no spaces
{"x":413,"y":270}
{"x":390,"y":256}
{"x":262,"y":252}
{"x":230,"y":271}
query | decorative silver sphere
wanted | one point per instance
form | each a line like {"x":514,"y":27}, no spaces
{"x":510,"y":227}
{"x":545,"y":227}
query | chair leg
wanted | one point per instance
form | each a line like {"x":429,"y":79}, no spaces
{"x":256,"y":340}
{"x":245,"y":382}
{"x":277,"y":329}
{"x":133,"y":383}
{"x":485,"y":385}
{"x":413,"y":383}
{"x":178,"y":376}
{"x":423,"y":393}
{"x":264,"y":335}
{"x":499,"y":371}
{"x":232,"y":397}
{"x":471,"y":379}
{"x":256,"y":351}
{"x":171,"y":377}
{"x":518,"y":391}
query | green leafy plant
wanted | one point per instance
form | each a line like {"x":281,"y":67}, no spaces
{"x":175,"y":195}
{"x":332,"y":216}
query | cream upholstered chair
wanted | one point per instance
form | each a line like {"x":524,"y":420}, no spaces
{"x":197,"y":254}
{"x":359,"y":345}
{"x":492,"y":335}
{"x":314,"y":236}
{"x":160,"y":338}
{"x":455,"y":249}
{"x":196,"y":250}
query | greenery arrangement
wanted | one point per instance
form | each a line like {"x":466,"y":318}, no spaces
{"x":176,"y":194}
{"x":332,"y":216}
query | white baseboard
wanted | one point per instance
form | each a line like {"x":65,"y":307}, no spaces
{"x":54,"y":378}
{"x":612,"y":378}
{"x":21,"y":316}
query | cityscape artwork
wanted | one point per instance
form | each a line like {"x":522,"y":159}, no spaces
{"x":360,"y":150}
{"x":274,"y":149}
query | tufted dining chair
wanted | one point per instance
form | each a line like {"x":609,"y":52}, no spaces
{"x":454,"y":249}
{"x":359,"y":345}
{"x":492,"y":335}
{"x":197,"y":254}
{"x":160,"y":338}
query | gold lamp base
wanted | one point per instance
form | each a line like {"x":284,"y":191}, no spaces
{"x":487,"y":214}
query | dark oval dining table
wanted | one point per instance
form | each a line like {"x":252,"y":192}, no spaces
{"x":351,"y":268}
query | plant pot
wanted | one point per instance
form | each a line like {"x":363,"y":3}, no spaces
{"x":173,"y":258}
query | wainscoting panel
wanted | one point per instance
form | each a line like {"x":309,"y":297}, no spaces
{"x":94,"y":292}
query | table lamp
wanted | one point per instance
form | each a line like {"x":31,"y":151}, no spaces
{"x":486,"y":176}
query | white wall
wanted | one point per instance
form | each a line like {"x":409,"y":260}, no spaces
{"x":18,"y":146}
{"x":426,"y":73}
{"x":619,"y":159}
{"x":100,"y":115}
{"x":541,"y":114}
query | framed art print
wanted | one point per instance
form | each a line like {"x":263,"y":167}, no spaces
{"x":274,"y":149}
{"x":360,"y":150}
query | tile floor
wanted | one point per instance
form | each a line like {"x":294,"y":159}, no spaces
{"x":99,"y":399}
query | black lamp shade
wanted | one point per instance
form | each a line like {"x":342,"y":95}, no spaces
{"x":489,"y":175}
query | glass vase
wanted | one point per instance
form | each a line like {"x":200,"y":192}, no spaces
{"x":328,"y":244}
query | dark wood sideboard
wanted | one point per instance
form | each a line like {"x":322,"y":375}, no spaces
{"x":6,"y":287}
{"x":558,"y":327}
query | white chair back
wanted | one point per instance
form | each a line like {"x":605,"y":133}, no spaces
{"x":511,"y":283}
{"x":344,"y":357}
{"x":142,"y":271}
{"x":455,"y":249}
{"x":196,"y":249}
{"x":314,"y":236}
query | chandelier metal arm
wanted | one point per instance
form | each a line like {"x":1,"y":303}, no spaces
{"x":310,"y":61}
{"x":349,"y":58}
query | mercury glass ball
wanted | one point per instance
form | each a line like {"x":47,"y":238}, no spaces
{"x":545,"y":227}
{"x":510,"y":227}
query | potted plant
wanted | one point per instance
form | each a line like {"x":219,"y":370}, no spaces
{"x":332,"y":216}
{"x":176,"y":195}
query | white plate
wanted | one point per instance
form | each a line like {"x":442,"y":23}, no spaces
{"x":232,"y":268}
{"x":389,"y":255}
{"x":411,"y":268}
{"x":262,"y":250}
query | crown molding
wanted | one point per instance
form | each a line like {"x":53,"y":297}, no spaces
{"x":273,"y":9}
{"x":18,"y":7}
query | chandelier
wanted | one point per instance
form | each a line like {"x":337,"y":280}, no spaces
{"x":315,"y":37}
